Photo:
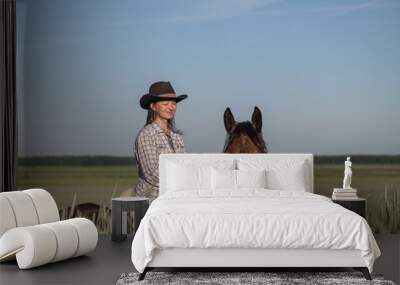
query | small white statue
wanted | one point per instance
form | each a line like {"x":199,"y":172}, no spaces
{"x":347,"y":174}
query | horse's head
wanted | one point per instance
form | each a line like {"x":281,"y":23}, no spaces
{"x":244,"y":137}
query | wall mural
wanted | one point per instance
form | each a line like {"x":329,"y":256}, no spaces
{"x":322,"y":80}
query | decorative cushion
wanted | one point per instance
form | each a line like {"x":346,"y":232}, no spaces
{"x":290,"y":179}
{"x":251,"y":178}
{"x":223,"y":179}
{"x":281,"y":174}
{"x":189,"y":177}
{"x":185,"y":175}
{"x":237,"y":179}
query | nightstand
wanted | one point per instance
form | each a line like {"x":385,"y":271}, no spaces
{"x":119,"y":212}
{"x":356,"y":205}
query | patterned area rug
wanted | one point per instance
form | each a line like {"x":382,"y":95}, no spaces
{"x":228,"y":278}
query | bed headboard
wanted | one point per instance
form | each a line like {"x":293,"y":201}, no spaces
{"x":205,"y":158}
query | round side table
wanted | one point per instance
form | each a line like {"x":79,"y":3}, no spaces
{"x":119,"y":212}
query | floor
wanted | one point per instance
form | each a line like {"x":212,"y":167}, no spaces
{"x":111,"y":259}
{"x":103,"y":266}
{"x":389,"y":262}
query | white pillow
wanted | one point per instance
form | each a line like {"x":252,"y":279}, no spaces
{"x":223,"y":179}
{"x":293,"y":179}
{"x":251,"y":178}
{"x":236,"y":179}
{"x":184,"y":174}
{"x":188,"y":177}
{"x":281,"y":174}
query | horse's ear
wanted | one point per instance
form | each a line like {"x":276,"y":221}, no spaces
{"x":229,"y":121}
{"x":256,"y":119}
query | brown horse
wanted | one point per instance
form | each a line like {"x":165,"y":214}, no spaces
{"x":244,"y":137}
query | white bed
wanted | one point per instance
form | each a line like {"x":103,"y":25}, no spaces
{"x":213,"y":212}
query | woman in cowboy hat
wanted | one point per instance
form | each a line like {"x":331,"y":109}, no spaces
{"x":159,"y":135}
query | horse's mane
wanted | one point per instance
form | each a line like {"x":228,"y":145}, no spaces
{"x":247,"y":129}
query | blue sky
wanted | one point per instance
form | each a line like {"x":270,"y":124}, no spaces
{"x":325,"y":74}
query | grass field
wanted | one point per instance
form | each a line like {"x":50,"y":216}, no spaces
{"x":94,"y":184}
{"x":379,"y":183}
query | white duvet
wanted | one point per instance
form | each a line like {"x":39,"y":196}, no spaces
{"x":250,"y":219}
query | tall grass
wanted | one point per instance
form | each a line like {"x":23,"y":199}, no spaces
{"x":103,"y":218}
{"x":384,"y":210}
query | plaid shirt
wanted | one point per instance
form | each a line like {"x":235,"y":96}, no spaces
{"x":150,"y":143}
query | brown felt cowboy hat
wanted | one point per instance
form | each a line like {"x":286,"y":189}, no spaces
{"x":160,"y":91}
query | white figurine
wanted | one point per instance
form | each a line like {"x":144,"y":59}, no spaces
{"x":347,"y":174}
